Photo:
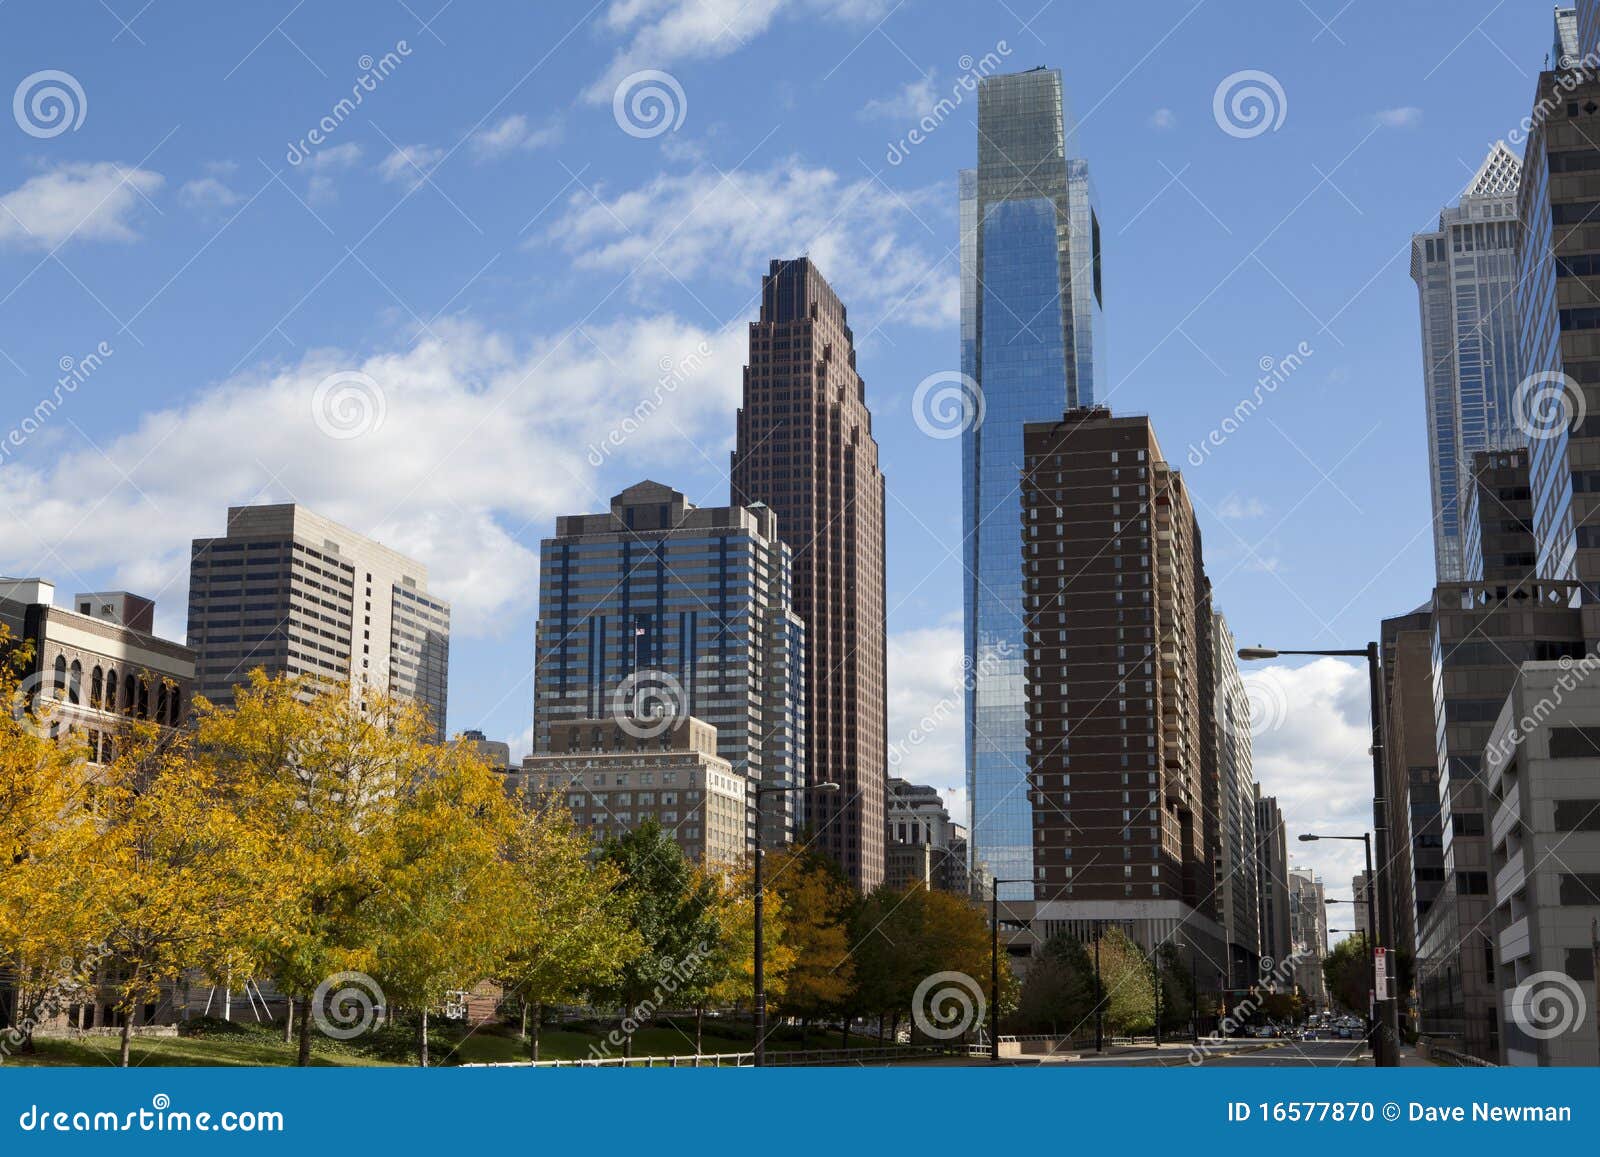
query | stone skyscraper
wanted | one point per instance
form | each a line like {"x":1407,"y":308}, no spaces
{"x":1030,"y":310}
{"x":294,"y":593}
{"x":805,"y":448}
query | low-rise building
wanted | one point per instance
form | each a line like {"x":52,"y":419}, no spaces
{"x":1542,"y":768}
{"x":615,"y":774}
{"x":923,"y":842}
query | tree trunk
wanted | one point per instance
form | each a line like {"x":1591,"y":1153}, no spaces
{"x":846,"y":1039}
{"x":422,"y":1038}
{"x":127,"y":1040}
{"x":880,"y":1028}
{"x":288,"y":1019}
{"x":524,"y":1020}
{"x":805,"y":1031}
{"x":303,"y":1055}
{"x":538,"y":1015}
{"x":699,"y":1025}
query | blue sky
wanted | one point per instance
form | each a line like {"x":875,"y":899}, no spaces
{"x":480,"y":255}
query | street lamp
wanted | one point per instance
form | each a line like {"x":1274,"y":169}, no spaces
{"x":1381,"y":908}
{"x":994,"y":964}
{"x":1375,"y":1020}
{"x":760,"y":978}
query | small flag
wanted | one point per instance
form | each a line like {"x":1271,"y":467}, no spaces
{"x":637,"y":631}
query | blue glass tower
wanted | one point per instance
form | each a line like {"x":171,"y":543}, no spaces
{"x":1030,"y":344}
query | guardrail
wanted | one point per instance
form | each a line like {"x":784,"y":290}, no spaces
{"x":815,"y":1057}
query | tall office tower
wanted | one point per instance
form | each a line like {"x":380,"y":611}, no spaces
{"x":1558,"y":286}
{"x":805,"y":448}
{"x":1030,"y":316}
{"x":1117,"y":716}
{"x":1465,"y":272}
{"x":1237,"y":873}
{"x":1411,"y":775}
{"x":1587,"y":32}
{"x":1272,"y":867}
{"x":1308,"y":931}
{"x":1483,"y":632}
{"x":1564,"y":51}
{"x":1358,"y":894}
{"x":293,"y":593}
{"x":660,"y":605}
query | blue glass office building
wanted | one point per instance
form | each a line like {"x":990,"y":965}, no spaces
{"x":1030,"y":344}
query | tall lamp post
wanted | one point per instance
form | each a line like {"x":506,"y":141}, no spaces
{"x":1386,"y":1046}
{"x":1375,"y":1021}
{"x":994,"y":964}
{"x":760,"y":977}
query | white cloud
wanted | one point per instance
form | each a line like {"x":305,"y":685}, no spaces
{"x":1235,"y":508}
{"x":82,"y":200}
{"x":207,"y":195}
{"x":927,"y":731}
{"x":511,"y":134}
{"x":865,"y":237}
{"x":410,"y":164}
{"x":908,"y":103}
{"x":323,"y":164}
{"x":1310,"y":750}
{"x":484,"y":441}
{"x":660,"y":33}
{"x":1404,"y":117}
{"x":1163,"y":118}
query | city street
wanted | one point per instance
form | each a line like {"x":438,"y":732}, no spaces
{"x":1285,"y":1054}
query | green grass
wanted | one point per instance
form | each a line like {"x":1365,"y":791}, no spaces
{"x":177,"y":1051}
{"x":246,"y":1044}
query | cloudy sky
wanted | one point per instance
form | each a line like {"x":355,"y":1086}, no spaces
{"x":411,"y":264}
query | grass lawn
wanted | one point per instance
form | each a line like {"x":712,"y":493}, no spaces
{"x":178,"y":1051}
{"x":252,"y":1045}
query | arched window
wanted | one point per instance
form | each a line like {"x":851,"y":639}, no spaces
{"x":60,"y":681}
{"x":130,"y":693}
{"x":144,"y":698}
{"x":110,"y":703}
{"x":175,"y":706}
{"x":97,"y":687}
{"x":161,"y":701}
{"x":75,"y":684}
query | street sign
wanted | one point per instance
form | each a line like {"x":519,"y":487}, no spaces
{"x":1380,"y":963}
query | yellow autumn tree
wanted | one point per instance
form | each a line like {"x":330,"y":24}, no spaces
{"x":818,"y":971}
{"x":571,"y":934}
{"x":51,"y":859}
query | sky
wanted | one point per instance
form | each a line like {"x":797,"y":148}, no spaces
{"x":415,"y":263}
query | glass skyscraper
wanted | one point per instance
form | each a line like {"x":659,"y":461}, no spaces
{"x":1030,"y":321}
{"x":1466,"y":275}
{"x":661,"y":607}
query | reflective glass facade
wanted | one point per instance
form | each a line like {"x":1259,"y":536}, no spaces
{"x":1466,"y":277}
{"x":1030,"y":304}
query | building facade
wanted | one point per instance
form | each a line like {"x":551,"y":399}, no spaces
{"x":805,"y":449}
{"x":1308,"y":933}
{"x":1542,"y":761}
{"x":1236,"y":871}
{"x":918,"y":819}
{"x":290,"y":592}
{"x":658,"y":605}
{"x":1120,"y":716}
{"x":1030,"y":310}
{"x":615,"y":774}
{"x":97,"y":664}
{"x":1411,"y":775}
{"x":1466,"y":273}
{"x":1272,"y":873}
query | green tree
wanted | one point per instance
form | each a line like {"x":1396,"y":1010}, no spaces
{"x":817,"y":902}
{"x":1348,"y":973}
{"x":1058,"y":995}
{"x":671,"y":909}
{"x":571,"y":934}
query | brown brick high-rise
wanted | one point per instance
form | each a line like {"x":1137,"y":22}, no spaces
{"x":805,"y":448}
